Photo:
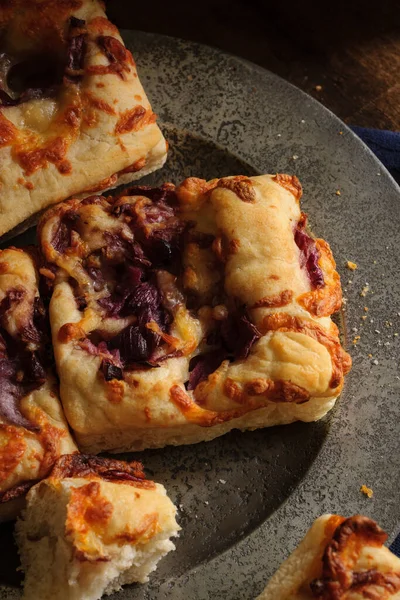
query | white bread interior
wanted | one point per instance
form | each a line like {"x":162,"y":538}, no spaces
{"x":53,"y":568}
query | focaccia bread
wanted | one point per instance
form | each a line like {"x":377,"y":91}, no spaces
{"x":33,"y":430}
{"x":178,"y":314}
{"x":94,"y":525}
{"x":339,"y":559}
{"x":73,"y":114}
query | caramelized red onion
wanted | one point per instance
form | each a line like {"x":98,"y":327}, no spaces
{"x":22,"y":370}
{"x":111,"y":371}
{"x":239,"y":334}
{"x":234,"y":337}
{"x":11,"y":394}
{"x":309,"y":254}
{"x":202,"y":366}
{"x":41,"y":76}
{"x":76,"y":51}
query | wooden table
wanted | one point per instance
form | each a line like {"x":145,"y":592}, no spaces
{"x":345,"y":53}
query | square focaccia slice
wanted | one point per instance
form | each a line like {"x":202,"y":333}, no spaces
{"x":338,"y":559}
{"x":33,"y":430}
{"x":178,"y":314}
{"x":73,"y":114}
{"x":94,"y":525}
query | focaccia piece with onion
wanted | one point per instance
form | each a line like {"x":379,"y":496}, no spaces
{"x":74,"y":117}
{"x":33,"y":430}
{"x":92,"y":526}
{"x":338,"y":559}
{"x":180,"y":313}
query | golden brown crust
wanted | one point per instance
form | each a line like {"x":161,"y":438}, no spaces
{"x":290,"y":183}
{"x":53,"y":141}
{"x":254,"y":347}
{"x":341,"y":360}
{"x":240,"y":185}
{"x":12,"y":452}
{"x":282,"y":299}
{"x":87,"y":510}
{"x":264,"y":391}
{"x":136,"y":166}
{"x":108,"y":469}
{"x":8,"y":133}
{"x":338,"y":559}
{"x":339,"y":576}
{"x":17,"y":491}
{"x":33,"y":432}
{"x":43,"y":26}
{"x":192,"y":191}
{"x":323,"y":302}
{"x":134,"y":119}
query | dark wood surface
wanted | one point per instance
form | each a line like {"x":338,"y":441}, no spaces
{"x":345,"y":53}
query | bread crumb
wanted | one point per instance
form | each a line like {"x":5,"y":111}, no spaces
{"x":318,"y":88}
{"x":222,"y":481}
{"x":364,"y":317}
{"x":338,"y":193}
{"x":356,"y":339}
{"x":190,"y":77}
{"x":364,"y":291}
{"x":369,"y":355}
{"x":340,"y":132}
{"x":367,"y":491}
{"x":295,"y":157}
{"x":351,"y":265}
{"x":366,"y":309}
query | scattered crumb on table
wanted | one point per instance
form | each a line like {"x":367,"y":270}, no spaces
{"x":366,"y":490}
{"x":351,"y":265}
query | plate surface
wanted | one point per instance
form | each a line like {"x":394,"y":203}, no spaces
{"x":246,"y":499}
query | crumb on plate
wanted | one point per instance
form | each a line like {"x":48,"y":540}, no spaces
{"x":366,"y":490}
{"x":351,"y":265}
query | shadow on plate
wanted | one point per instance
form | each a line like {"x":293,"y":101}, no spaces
{"x":226,"y":488}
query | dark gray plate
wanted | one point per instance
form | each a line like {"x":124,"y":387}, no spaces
{"x":246,"y":499}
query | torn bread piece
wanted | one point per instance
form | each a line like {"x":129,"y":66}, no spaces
{"x":93,"y":526}
{"x":74,"y":116}
{"x":179,"y":314}
{"x":339,"y":559}
{"x":33,"y":430}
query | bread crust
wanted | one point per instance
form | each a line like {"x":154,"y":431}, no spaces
{"x":240,"y":270}
{"x":35,"y":432}
{"x":338,"y":559}
{"x":93,"y":525}
{"x":99,"y":129}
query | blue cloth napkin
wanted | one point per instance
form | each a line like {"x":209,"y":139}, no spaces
{"x":386,"y":146}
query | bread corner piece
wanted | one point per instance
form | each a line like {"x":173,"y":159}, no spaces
{"x":338,"y":559}
{"x":33,"y":429}
{"x":94,"y":525}
{"x":88,"y":127}
{"x":251,"y":306}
